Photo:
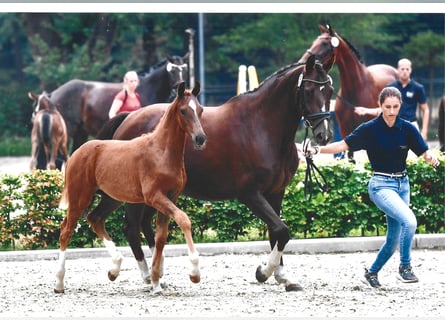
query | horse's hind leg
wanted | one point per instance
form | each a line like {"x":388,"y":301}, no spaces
{"x":34,"y":154}
{"x":97,"y":221}
{"x":52,"y":152}
{"x":67,"y":227}
{"x":137,"y":217}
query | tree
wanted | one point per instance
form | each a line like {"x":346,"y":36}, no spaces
{"x":426,"y":49}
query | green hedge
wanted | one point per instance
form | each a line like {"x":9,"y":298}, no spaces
{"x":30,"y":217}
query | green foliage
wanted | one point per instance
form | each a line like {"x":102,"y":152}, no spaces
{"x":345,"y":210}
{"x":39,"y":226}
{"x":15,"y":146}
{"x":428,"y":195}
{"x":30,"y":217}
{"x":9,"y":197}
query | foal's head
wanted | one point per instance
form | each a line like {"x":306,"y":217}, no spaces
{"x":41,"y":102}
{"x":189,"y":111}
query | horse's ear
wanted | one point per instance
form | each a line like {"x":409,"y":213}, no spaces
{"x":322,"y":28}
{"x":32,"y":96}
{"x":181,"y":89}
{"x":196,"y":89}
{"x":310,"y":63}
{"x":186,"y":56}
{"x":327,"y":66}
{"x":168,"y":58}
{"x":330,"y":30}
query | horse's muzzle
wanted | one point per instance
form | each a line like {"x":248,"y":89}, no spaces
{"x":199,"y":141}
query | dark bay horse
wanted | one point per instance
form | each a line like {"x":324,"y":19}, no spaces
{"x":360,"y":85}
{"x":49,"y":134}
{"x":250,"y":153}
{"x":149,"y":169}
{"x":85,"y":104}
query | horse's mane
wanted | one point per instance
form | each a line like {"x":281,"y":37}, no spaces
{"x":276,"y":74}
{"x":155,"y":67}
{"x":353,"y":49}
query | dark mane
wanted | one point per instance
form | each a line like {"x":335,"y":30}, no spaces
{"x":276,"y":74}
{"x":353,"y":49}
{"x":144,"y":74}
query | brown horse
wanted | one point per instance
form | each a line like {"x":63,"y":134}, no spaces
{"x":49,"y":133}
{"x":250,"y":154}
{"x":360,"y":85}
{"x":149,"y":169}
{"x":85,"y":104}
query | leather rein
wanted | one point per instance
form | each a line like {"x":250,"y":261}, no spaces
{"x":312,"y":171}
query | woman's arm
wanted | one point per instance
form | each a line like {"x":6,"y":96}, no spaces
{"x":335,"y":147}
{"x":117,"y":104}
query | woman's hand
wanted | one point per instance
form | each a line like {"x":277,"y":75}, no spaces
{"x":430,"y":158}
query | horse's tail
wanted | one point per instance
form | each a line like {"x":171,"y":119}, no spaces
{"x":45,"y":128}
{"x":109,"y":128}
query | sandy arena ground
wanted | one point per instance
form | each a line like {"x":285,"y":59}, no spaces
{"x":332,"y":288}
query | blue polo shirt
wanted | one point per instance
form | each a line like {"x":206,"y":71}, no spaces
{"x":387,"y":147}
{"x":412,"y":94}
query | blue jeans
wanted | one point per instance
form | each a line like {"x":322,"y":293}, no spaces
{"x":392,"y":195}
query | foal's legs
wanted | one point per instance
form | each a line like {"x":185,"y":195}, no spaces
{"x":52,"y":155}
{"x":97,"y":221}
{"x":34,"y":153}
{"x":69,"y":223}
{"x":157,"y":259}
{"x":169,"y":209}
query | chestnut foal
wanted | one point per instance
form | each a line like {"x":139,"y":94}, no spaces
{"x":148,"y":169}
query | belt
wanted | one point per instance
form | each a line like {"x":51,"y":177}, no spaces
{"x":391,"y":175}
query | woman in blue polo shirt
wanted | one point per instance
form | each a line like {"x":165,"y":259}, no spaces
{"x":387,"y":140}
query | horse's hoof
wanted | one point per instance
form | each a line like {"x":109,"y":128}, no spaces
{"x":195,"y":279}
{"x":59,"y":290}
{"x":260,"y":275}
{"x":111,"y":276}
{"x":294,"y":287}
{"x":147,"y":280}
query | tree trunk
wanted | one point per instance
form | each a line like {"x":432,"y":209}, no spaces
{"x":40,"y":25}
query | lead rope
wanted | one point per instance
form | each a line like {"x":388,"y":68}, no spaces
{"x":312,"y":171}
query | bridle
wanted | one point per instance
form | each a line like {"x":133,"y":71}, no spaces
{"x":311,"y":169}
{"x":320,"y":116}
{"x":334,"y":43}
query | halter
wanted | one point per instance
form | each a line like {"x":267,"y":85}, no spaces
{"x":311,"y":169}
{"x":169,"y":67}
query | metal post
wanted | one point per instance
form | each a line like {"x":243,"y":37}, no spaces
{"x":201,"y":57}
{"x":191,"y":34}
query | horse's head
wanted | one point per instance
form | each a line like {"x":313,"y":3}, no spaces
{"x":177,"y":69}
{"x":314,"y":92}
{"x":324,"y":46}
{"x":41,"y":102}
{"x":189,"y":112}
